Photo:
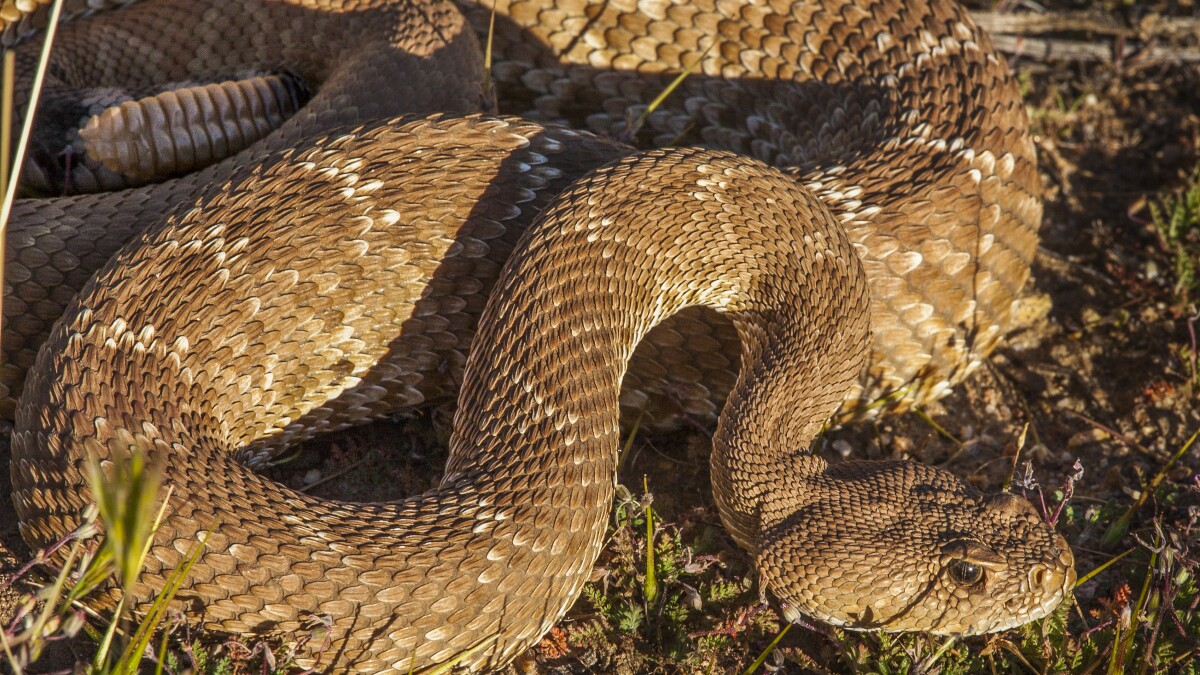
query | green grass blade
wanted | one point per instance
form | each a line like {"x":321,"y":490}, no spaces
{"x":1088,"y":577}
{"x":633,"y":432}
{"x":443,"y":668}
{"x":137,"y":646}
{"x":162,"y":653}
{"x":939,"y":429}
{"x":1116,"y":531}
{"x":650,"y":587}
{"x":762,"y":658}
{"x":100,"y":659}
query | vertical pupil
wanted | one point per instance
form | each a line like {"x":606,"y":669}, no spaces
{"x":967,"y":572}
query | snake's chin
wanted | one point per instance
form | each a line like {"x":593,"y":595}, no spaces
{"x":1051,"y":600}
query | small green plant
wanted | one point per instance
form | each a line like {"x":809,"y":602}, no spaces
{"x":34,"y":628}
{"x":125,"y":497}
{"x":127,"y":489}
{"x":660,"y":606}
{"x":1176,"y":220}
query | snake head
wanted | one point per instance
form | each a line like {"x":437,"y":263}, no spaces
{"x":898,"y":546}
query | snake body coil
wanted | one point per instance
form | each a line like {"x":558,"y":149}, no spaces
{"x":339,"y":270}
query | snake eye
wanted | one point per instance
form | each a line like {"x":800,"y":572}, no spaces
{"x":966,"y":574}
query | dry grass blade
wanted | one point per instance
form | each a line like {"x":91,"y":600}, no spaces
{"x":633,"y":129}
{"x":1012,"y":468}
{"x":448,"y":666}
{"x":6,"y":116}
{"x":489,"y":92}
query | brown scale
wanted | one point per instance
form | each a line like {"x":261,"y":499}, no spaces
{"x":337,"y":270}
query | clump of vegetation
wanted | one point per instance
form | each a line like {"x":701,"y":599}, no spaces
{"x":84,"y":562}
{"x":1175,"y":217}
{"x":34,"y":628}
{"x":680,"y":599}
{"x":1176,"y":220}
{"x":662,"y":602}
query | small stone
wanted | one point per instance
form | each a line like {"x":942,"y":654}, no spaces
{"x":1031,"y":308}
{"x":1068,"y":403}
{"x":1087,"y":437}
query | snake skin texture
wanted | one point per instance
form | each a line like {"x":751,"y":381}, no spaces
{"x":422,"y":55}
{"x":857,"y":229}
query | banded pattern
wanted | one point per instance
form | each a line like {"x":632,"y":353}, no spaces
{"x":185,"y":129}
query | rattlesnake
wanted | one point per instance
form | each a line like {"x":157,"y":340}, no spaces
{"x":338,"y":269}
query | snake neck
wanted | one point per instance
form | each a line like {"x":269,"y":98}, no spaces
{"x":782,"y":400}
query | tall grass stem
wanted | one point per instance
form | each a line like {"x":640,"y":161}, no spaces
{"x":6,"y":115}
{"x":10,"y":188}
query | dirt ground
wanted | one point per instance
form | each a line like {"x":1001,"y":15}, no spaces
{"x":1103,"y":372}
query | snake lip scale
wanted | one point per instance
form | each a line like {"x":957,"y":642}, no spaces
{"x":848,"y":216}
